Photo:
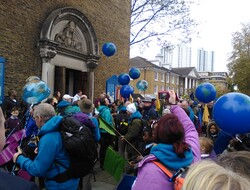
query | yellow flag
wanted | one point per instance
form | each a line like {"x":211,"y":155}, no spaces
{"x":205,"y":116}
{"x":157,"y":104}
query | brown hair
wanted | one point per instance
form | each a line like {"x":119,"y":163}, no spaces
{"x":169,"y":130}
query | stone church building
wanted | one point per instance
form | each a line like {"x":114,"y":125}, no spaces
{"x":61,"y":42}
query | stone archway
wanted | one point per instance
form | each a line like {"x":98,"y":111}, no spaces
{"x":68,"y":43}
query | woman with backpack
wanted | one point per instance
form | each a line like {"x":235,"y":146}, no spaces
{"x":177,"y":147}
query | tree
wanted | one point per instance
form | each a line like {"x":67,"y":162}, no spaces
{"x":239,"y":65}
{"x":162,"y":20}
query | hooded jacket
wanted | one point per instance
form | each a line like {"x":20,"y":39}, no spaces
{"x":50,"y":148}
{"x":105,"y":113}
{"x":150,"y":176}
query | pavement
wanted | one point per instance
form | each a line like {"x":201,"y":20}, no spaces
{"x":104,"y":181}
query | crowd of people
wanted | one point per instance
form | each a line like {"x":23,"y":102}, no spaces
{"x":181,"y":136}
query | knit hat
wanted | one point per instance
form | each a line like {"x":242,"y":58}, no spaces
{"x":66,"y":97}
{"x":147,"y":99}
{"x":86,"y":106}
{"x":131,"y":108}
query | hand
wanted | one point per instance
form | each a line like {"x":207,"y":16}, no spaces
{"x":122,"y":138}
{"x":19,"y":151}
{"x":172,"y":97}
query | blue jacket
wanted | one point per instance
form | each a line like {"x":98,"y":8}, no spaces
{"x":105,"y":113}
{"x":11,"y":182}
{"x":50,"y":148}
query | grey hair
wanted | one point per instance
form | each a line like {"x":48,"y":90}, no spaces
{"x":45,"y":110}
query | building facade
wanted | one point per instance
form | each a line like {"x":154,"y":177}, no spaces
{"x":159,"y":78}
{"x":205,"y":60}
{"x":61,"y":41}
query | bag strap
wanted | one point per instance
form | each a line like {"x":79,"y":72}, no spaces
{"x":172,"y":176}
{"x":163,"y":168}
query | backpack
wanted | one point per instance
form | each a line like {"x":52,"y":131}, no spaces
{"x":122,"y":123}
{"x":80,"y":145}
{"x":177,"y":178}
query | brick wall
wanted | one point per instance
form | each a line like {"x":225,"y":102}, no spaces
{"x":21,"y":22}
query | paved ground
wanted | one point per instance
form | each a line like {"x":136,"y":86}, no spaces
{"x":104,"y":181}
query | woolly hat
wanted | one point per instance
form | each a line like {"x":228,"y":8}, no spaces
{"x":66,"y":97}
{"x":131,"y":108}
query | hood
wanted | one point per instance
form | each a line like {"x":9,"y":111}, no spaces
{"x":165,"y":153}
{"x":62,"y":104}
{"x":137,"y":114}
{"x":51,"y":125}
{"x":102,"y":108}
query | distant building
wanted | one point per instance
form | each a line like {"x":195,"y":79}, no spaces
{"x":205,"y":60}
{"x":160,"y":78}
{"x":219,"y":79}
{"x":179,"y":56}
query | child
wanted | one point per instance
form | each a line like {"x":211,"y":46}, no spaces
{"x":212,"y":131}
{"x":206,"y":147}
{"x":12,"y":124}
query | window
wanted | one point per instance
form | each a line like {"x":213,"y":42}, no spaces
{"x":156,"y":76}
{"x":168,"y":77}
{"x":162,"y":88}
{"x":155,"y":89}
{"x":173,"y":79}
{"x":162,"y":77}
{"x":177,"y":80}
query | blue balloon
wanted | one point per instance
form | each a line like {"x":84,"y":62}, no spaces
{"x":231,"y":112}
{"x":126,"y":91}
{"x":142,"y":85}
{"x":35,"y":90}
{"x":124,"y":79}
{"x":205,"y":92}
{"x":109,"y":49}
{"x":134,"y":73}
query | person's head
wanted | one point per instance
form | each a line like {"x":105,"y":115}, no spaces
{"x":210,"y":176}
{"x":206,"y":145}
{"x":67,"y":98}
{"x":12,"y":93}
{"x":184,"y":104}
{"x":131,"y":108}
{"x":79,"y":92}
{"x":86,"y":106}
{"x":212,"y":128}
{"x":103,"y":100}
{"x":138,"y":99}
{"x":57,"y":94}
{"x":147,"y":135}
{"x":147,"y":102}
{"x":14,"y":112}
{"x":238,"y":161}
{"x":42,"y":113}
{"x":169,"y":130}
{"x":50,"y":101}
{"x":2,"y":130}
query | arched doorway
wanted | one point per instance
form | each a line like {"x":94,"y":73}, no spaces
{"x":69,"y":51}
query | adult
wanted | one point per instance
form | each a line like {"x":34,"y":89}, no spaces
{"x":77,"y":96}
{"x":56,"y":97}
{"x":10,"y":102}
{"x":85,"y":117}
{"x":210,"y":176}
{"x":185,"y":105}
{"x":148,"y":109}
{"x":8,"y":181}
{"x":50,"y":144}
{"x":106,"y":138}
{"x":65,"y":108}
{"x":177,"y":147}
{"x":135,"y":132}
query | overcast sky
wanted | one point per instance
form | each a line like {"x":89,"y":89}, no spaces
{"x":219,"y":19}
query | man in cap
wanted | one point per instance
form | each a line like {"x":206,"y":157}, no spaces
{"x":148,"y":110}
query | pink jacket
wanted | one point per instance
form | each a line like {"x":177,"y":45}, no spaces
{"x":149,"y":175}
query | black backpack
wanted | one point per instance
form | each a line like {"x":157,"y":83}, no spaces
{"x":122,"y":123}
{"x":80,"y":145}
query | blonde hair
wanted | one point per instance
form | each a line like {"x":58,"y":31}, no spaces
{"x":210,"y":176}
{"x":206,"y":145}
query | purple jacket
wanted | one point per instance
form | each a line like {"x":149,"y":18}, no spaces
{"x":149,"y":175}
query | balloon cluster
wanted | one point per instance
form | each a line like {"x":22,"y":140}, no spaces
{"x":35,"y":90}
